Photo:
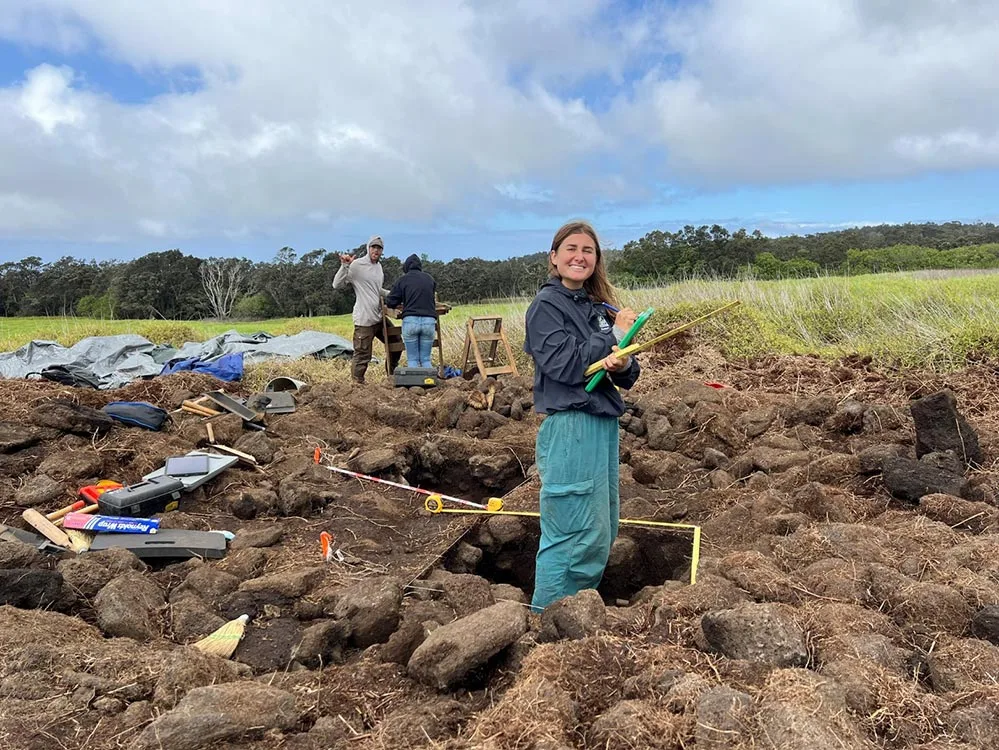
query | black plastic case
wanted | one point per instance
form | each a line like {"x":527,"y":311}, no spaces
{"x":141,"y":500}
{"x":405,"y":377}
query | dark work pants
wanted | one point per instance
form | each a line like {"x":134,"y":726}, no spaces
{"x":364,"y":337}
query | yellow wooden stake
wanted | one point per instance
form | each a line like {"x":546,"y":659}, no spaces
{"x":645,"y":345}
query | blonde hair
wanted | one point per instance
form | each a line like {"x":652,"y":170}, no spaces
{"x":598,"y":286}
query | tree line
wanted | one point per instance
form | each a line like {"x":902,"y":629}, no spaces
{"x":172,"y":285}
{"x":714,"y":251}
{"x":175,"y":286}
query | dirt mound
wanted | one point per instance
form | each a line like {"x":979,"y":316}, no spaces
{"x":838,"y":602}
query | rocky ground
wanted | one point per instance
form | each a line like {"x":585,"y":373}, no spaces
{"x":847,"y":594}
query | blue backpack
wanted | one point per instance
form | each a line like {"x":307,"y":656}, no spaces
{"x":137,"y":413}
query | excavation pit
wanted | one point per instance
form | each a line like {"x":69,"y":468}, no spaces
{"x":503,"y":549}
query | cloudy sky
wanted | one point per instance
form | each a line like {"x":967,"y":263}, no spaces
{"x":234,"y":127}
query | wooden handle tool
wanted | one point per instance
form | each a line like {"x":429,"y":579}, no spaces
{"x":46,"y":527}
{"x":87,"y":509}
{"x":199,"y":409}
{"x":245,"y":457}
{"x":56,"y":515}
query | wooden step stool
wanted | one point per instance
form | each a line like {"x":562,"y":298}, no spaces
{"x":487,"y":365}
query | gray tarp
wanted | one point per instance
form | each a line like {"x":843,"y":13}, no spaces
{"x":117,"y":360}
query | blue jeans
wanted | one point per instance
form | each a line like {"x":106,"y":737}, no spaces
{"x":577,"y":455}
{"x":418,"y":335}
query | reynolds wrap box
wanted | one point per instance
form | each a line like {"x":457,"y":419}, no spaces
{"x":117,"y":524}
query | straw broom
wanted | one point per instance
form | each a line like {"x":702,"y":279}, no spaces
{"x":79,"y":541}
{"x":224,"y":640}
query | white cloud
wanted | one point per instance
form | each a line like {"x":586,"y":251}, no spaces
{"x":19,"y":213}
{"x":46,"y":98}
{"x":957,"y":147}
{"x":792,"y":90}
{"x":412,"y":112}
{"x":339,"y":109}
{"x":152,"y":227}
{"x":29,"y":22}
{"x":524,"y":192}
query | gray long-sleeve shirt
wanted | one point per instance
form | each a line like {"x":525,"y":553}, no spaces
{"x":367,"y":279}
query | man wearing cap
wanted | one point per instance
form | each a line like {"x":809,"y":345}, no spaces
{"x":366,"y":275}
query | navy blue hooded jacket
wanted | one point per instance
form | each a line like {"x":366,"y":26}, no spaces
{"x":566,"y":333}
{"x":414,"y":291}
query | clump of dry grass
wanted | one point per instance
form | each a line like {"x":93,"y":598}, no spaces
{"x":912,"y":533}
{"x":307,"y":369}
{"x":636,"y":723}
{"x":535,"y":708}
{"x":822,"y":541}
{"x":558,"y":686}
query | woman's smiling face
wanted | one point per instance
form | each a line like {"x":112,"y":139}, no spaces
{"x":575,"y":259}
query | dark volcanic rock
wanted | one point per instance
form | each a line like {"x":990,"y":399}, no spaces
{"x":909,"y":480}
{"x":212,"y":714}
{"x":88,"y":574}
{"x":372,"y":461}
{"x":722,"y":715}
{"x":15,"y":437}
{"x":756,"y":632}
{"x":258,"y":536}
{"x":941,"y":427}
{"x":22,"y":461}
{"x":848,"y":417}
{"x":15,"y":554}
{"x":321,"y":644}
{"x":494,"y":470}
{"x":29,"y":589}
{"x":574,"y":617}
{"x":454,"y":650}
{"x":872,"y":459}
{"x":985,"y":623}
{"x":40,"y":490}
{"x":464,"y":592}
{"x":371,"y":608}
{"x":70,"y":465}
{"x":258,"y":445}
{"x":130,"y":606}
{"x":66,"y":416}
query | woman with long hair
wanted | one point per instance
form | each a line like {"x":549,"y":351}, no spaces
{"x":570,"y":324}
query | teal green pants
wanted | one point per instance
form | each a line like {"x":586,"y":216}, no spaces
{"x":577,"y":455}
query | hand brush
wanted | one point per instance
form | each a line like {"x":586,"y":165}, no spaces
{"x":223,"y":641}
{"x":79,"y":541}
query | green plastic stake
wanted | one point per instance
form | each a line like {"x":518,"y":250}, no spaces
{"x":640,"y":321}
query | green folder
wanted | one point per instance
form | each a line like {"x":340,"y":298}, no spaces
{"x":640,"y":321}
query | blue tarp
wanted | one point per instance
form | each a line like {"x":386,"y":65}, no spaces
{"x":228,"y":367}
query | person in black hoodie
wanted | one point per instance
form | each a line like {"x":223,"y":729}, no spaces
{"x":568,"y":328}
{"x":415,"y":293}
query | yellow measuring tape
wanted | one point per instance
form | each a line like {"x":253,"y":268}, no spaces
{"x":435,"y":504}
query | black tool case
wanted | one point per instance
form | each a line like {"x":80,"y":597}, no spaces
{"x":405,"y":377}
{"x":143,"y":499}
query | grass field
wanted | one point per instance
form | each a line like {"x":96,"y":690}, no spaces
{"x":924,"y":319}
